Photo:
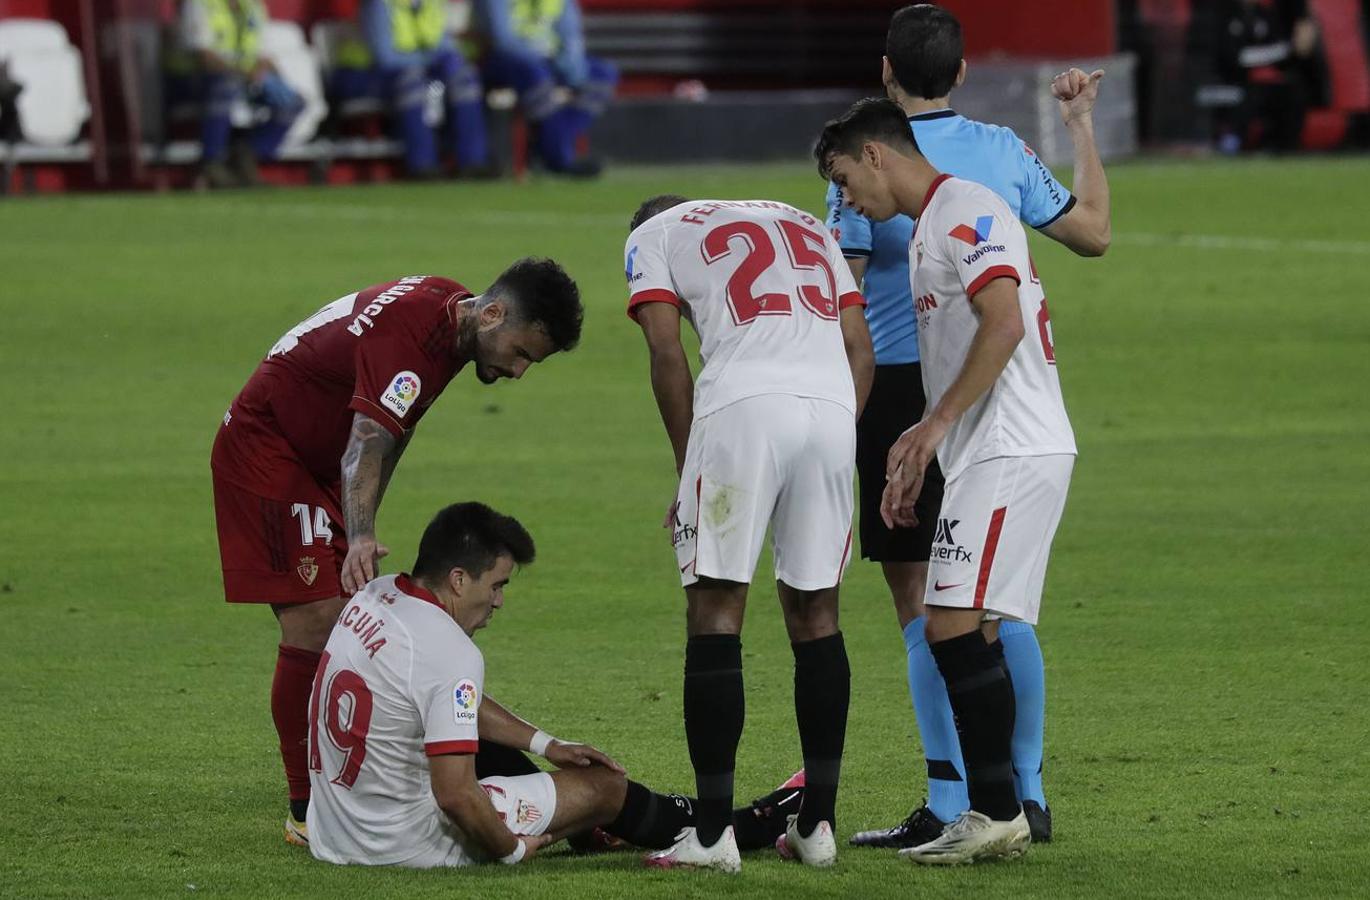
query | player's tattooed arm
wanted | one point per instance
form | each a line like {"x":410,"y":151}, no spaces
{"x":390,"y":462}
{"x":370,"y":449}
{"x":672,"y":383}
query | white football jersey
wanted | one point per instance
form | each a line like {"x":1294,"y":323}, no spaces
{"x":763,"y":284}
{"x":399,"y":681}
{"x":966,"y":237}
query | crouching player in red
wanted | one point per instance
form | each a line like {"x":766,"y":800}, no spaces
{"x":307,"y":448}
{"x":400,"y":725}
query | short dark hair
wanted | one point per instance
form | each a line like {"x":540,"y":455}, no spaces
{"x":470,"y":536}
{"x":654,"y":206}
{"x":540,"y":293}
{"x":871,"y":119}
{"x":924,"y":47}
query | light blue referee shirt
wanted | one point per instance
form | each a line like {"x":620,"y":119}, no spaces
{"x":989,"y":154}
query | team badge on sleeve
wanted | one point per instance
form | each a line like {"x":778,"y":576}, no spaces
{"x":465,"y":699}
{"x":399,"y":397}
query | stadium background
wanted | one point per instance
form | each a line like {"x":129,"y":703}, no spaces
{"x":1205,"y":622}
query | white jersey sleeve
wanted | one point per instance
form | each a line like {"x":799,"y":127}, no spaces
{"x":647,"y":268}
{"x":985,"y":243}
{"x":448,"y":690}
{"x":848,"y":293}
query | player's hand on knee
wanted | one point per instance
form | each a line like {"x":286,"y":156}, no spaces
{"x":672,"y":516}
{"x":579,"y":756}
{"x":362,"y":563}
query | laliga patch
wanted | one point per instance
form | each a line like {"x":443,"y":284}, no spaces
{"x":465,"y":699}
{"x":403,"y":391}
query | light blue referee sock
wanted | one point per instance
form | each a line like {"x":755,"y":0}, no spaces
{"x":947,"y":797}
{"x":1023,"y":656}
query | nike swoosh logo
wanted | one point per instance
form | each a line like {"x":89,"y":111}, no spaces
{"x":945,"y":587}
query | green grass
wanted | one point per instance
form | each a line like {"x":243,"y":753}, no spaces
{"x":1205,"y":623}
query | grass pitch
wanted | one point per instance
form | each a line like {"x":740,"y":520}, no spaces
{"x":1204,"y":627}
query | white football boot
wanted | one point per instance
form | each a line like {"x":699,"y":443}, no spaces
{"x":688,"y":853}
{"x":818,"y":849}
{"x":973,"y":837}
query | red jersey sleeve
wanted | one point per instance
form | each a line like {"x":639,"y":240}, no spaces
{"x":396,"y":375}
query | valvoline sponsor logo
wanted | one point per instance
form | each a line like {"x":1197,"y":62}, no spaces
{"x":977,"y":235}
{"x":628,"y":268}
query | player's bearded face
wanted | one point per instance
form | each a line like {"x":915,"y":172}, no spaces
{"x":507,"y":349}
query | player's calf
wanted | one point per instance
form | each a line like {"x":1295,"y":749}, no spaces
{"x":822,"y":692}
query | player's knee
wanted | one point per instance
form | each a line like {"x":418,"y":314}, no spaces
{"x":907,"y":581}
{"x":715,"y":607}
{"x":945,"y":623}
{"x":809,"y":615}
{"x":610,"y":791}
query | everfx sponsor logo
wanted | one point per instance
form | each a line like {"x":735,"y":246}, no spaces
{"x":944,"y":545}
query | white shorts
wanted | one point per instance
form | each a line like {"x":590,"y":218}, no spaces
{"x":525,"y":803}
{"x":994,"y":534}
{"x":777,"y":460}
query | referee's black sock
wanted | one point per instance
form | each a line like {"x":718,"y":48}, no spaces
{"x":822,"y":692}
{"x":714,"y":711}
{"x":982,"y":699}
{"x":651,"y":820}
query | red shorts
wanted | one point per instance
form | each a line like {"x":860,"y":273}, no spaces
{"x":277,"y":551}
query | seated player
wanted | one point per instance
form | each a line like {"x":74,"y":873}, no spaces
{"x":406,"y":47}
{"x":220,"y":63}
{"x":411,"y":764}
{"x":538,"y":49}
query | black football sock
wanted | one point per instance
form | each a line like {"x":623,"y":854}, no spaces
{"x":299,"y":809}
{"x":982,"y":699}
{"x":758,"y":825}
{"x":497,"y":759}
{"x":822,"y":691}
{"x":651,"y":820}
{"x":714,"y":710}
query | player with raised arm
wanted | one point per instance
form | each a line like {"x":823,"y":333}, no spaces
{"x":923,"y":64}
{"x":996,"y":422}
{"x":765,"y":437}
{"x":307,"y":448}
{"x":399,"y":723}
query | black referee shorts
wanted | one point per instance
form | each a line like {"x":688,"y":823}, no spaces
{"x":896,"y":404}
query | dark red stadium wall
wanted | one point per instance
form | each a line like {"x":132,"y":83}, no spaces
{"x":1041,"y":28}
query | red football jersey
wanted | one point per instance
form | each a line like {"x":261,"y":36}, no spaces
{"x":386,"y":352}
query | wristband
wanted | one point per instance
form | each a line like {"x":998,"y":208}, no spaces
{"x":520,"y":848}
{"x":539,"y":742}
